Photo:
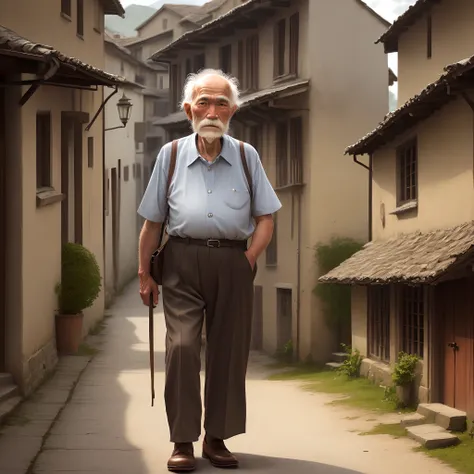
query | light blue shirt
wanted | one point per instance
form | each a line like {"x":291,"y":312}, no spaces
{"x":209,"y":200}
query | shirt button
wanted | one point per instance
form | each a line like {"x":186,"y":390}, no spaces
{"x":210,"y":214}
{"x":209,"y":191}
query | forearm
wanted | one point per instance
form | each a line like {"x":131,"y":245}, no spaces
{"x":148,"y":243}
{"x":262,"y":236}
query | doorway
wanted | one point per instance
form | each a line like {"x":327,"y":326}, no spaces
{"x":456,"y":308}
{"x":257,"y":320}
{"x":71,"y":178}
{"x":115,"y":225}
{"x":3,"y":227}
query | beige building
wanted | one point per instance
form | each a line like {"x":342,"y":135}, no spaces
{"x":312,"y":80}
{"x":51,"y":170}
{"x":413,"y":284}
{"x":130,"y":151}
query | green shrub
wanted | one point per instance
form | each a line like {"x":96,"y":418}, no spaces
{"x":404,"y":371}
{"x":80,"y":279}
{"x":351,"y":366}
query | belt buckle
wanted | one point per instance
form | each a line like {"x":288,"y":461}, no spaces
{"x":211,"y":242}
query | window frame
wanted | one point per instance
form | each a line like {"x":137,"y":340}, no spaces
{"x":407,"y":193}
{"x":44,"y":155}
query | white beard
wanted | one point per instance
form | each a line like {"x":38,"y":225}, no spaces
{"x":210,"y":134}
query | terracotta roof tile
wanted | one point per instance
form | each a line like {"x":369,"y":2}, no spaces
{"x":407,"y":258}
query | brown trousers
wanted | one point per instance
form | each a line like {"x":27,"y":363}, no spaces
{"x":218,"y":282}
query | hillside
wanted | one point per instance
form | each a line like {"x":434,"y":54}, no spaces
{"x":134,"y":16}
{"x":160,"y":3}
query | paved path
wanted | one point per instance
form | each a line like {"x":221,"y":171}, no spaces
{"x":108,"y":425}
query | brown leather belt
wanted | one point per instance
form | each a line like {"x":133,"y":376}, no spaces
{"x":212,"y":243}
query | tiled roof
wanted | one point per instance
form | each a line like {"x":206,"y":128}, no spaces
{"x":246,"y":100}
{"x":241,"y":12}
{"x":203,"y":13}
{"x":403,"y":22}
{"x":434,"y":96}
{"x":12,"y":42}
{"x":181,"y":10}
{"x":113,"y":7}
{"x":408,"y":258}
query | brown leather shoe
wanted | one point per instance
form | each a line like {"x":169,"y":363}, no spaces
{"x":182,"y":459}
{"x":217,"y":453}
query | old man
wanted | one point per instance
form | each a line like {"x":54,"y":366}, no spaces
{"x":219,"y":196}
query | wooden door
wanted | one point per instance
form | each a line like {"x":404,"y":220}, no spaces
{"x":3,"y":227}
{"x":455,"y":306}
{"x":115,"y":225}
{"x":257,"y":320}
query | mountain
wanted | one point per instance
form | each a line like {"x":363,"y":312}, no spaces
{"x":134,"y":16}
{"x":157,"y":5}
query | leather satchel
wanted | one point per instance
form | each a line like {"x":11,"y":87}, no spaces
{"x":156,"y":263}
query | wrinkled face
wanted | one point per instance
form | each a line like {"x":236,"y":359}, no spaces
{"x":211,"y":109}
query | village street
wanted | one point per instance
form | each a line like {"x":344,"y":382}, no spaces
{"x":105,"y":422}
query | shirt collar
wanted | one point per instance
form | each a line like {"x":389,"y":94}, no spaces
{"x":193,"y":152}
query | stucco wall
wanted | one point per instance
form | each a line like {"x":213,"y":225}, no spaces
{"x":155,"y":26}
{"x":452,"y":41}
{"x":40,"y":232}
{"x":445,"y":174}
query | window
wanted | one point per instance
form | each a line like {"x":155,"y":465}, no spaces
{"x":226,"y":58}
{"x":189,"y":67}
{"x":240,"y":63}
{"x":407,"y":163}
{"x":66,"y":7}
{"x":80,"y":17}
{"x":107,"y":192}
{"x":255,"y":138}
{"x":271,"y":257}
{"x":199,"y":62}
{"x":251,"y":63}
{"x":282,"y":154}
{"x":294,"y":42}
{"x":412,"y":320}
{"x":379,"y":322}
{"x":122,"y":68}
{"x":126,"y":173}
{"x":429,"y":34}
{"x":289,"y":141}
{"x":279,"y":48}
{"x":43,"y":150}
{"x":175,"y":86}
{"x":90,"y":152}
{"x":165,"y":23}
{"x":98,"y":17}
{"x":161,"y":82}
{"x":284,"y":316}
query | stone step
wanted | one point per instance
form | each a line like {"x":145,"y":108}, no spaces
{"x":7,"y":392}
{"x":432,"y":436}
{"x":339,"y":356}
{"x":413,"y":419}
{"x":444,"y":416}
{"x":334,"y":365}
{"x":8,"y":406}
{"x":5,"y":379}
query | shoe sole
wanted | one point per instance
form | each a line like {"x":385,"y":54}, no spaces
{"x":181,"y":469}
{"x":233,"y":465}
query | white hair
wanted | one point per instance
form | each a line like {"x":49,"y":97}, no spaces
{"x":193,"y":80}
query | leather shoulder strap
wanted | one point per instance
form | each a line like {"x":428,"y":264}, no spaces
{"x":246,"y":169}
{"x":174,"y":153}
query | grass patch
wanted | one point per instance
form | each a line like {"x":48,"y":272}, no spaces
{"x":357,"y":392}
{"x":395,"y":430}
{"x":460,"y":457}
{"x":87,"y":350}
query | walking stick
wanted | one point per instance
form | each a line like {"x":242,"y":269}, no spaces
{"x":151,"y":334}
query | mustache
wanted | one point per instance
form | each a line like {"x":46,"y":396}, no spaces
{"x":211,"y":123}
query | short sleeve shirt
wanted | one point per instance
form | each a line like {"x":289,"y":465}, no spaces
{"x":209,"y":200}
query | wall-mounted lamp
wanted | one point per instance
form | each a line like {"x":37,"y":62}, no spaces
{"x":124,"y":107}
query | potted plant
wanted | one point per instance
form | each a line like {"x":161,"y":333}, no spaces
{"x":79,"y":287}
{"x":403,"y":376}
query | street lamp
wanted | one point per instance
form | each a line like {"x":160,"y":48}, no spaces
{"x":124,"y":107}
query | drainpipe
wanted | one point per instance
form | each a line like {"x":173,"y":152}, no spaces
{"x":298,"y":280}
{"x":104,"y":197}
{"x":369,"y":169}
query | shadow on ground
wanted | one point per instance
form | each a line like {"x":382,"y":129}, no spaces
{"x":264,"y":464}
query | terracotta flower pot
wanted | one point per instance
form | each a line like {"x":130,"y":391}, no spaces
{"x":68,"y":333}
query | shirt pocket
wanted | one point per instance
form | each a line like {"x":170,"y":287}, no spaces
{"x":236,"y":198}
